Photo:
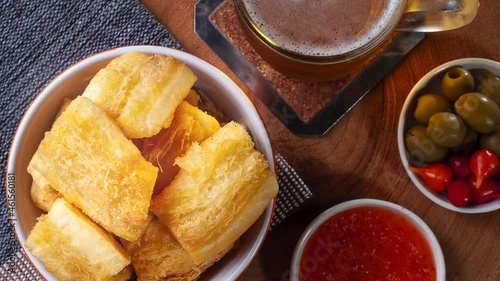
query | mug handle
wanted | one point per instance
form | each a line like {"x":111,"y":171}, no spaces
{"x":437,"y":15}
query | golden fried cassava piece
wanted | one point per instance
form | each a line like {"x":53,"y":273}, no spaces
{"x":189,"y":125}
{"x":158,"y":256}
{"x":193,"y":98}
{"x":73,"y":247}
{"x":86,"y":158}
{"x":223,"y":186}
{"x":124,"y":275}
{"x":44,"y":195}
{"x":141,"y":91}
{"x":66,"y":102}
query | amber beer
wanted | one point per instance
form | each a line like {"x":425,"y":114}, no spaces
{"x":318,"y":40}
{"x":322,"y":40}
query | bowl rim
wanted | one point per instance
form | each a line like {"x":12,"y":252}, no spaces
{"x":107,"y":55}
{"x":422,"y":82}
{"x":369,"y":202}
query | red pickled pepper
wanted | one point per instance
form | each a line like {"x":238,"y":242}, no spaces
{"x":459,"y":165}
{"x":460,"y":192}
{"x":436,"y":176}
{"x":484,"y":164}
{"x":489,"y":190}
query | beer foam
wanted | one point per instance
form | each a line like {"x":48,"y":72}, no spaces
{"x":322,"y":28}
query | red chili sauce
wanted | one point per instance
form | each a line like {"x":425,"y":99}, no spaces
{"x":367,"y":243}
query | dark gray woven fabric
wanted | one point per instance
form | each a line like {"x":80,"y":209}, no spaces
{"x":38,"y":40}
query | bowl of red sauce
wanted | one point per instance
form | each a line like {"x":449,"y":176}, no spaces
{"x":368,"y":239}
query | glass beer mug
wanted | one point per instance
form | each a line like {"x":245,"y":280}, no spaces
{"x":327,"y":39}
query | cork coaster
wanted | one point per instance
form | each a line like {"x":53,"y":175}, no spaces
{"x":306,"y":98}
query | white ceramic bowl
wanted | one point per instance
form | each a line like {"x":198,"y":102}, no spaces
{"x":225,"y":94}
{"x":431,"y":83}
{"x":411,"y":217}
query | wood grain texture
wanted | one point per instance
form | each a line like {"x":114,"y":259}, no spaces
{"x":358,"y":158}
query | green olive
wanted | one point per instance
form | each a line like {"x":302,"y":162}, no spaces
{"x":428,"y":105}
{"x":422,"y":148}
{"x":491,"y":142}
{"x":479,"y":112}
{"x":489,"y":85}
{"x":469,"y":143}
{"x":456,"y":82}
{"x":446,"y":129}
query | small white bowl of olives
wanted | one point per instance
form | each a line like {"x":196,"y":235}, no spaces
{"x":449,"y":135}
